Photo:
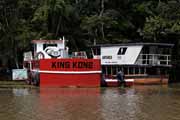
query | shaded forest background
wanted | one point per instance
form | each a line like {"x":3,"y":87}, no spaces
{"x":87,"y":22}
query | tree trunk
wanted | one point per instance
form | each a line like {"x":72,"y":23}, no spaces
{"x":14,"y":52}
{"x":58,"y":26}
{"x":95,"y":37}
{"x":100,"y":15}
{"x":16,"y":59}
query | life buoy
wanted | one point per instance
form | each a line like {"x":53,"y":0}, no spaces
{"x":40,"y":55}
{"x":53,"y":52}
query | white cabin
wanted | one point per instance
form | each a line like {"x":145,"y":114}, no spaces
{"x":46,"y":49}
{"x":134,"y":59}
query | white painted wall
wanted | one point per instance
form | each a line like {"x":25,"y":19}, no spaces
{"x":60,"y":46}
{"x":129,"y":57}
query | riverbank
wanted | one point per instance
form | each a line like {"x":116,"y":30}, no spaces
{"x":15,"y":84}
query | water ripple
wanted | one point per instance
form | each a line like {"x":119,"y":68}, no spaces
{"x":136,"y":103}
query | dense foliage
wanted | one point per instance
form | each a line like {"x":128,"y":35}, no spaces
{"x":86,"y":22}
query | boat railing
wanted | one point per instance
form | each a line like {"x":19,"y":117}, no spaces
{"x":154,"y":59}
{"x":126,"y":76}
{"x":81,"y":54}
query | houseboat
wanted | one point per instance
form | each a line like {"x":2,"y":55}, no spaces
{"x":50,"y":65}
{"x":141,"y":63}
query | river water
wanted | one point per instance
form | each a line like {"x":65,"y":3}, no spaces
{"x":134,"y":103}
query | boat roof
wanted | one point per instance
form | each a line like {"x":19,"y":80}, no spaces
{"x":134,"y":44}
{"x":47,"y":41}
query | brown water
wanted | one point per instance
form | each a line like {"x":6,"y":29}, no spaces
{"x":135,"y":103}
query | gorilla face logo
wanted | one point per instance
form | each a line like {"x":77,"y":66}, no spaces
{"x":54,"y":52}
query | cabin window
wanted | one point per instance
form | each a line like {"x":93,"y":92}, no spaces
{"x":109,"y":71}
{"x":125,"y":70}
{"x":47,"y":45}
{"x":104,"y":70}
{"x":114,"y":70}
{"x":131,"y":70}
{"x":122,"y":50}
{"x":145,"y":50}
{"x":137,"y":70}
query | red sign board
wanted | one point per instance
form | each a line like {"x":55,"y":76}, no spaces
{"x":70,"y":64}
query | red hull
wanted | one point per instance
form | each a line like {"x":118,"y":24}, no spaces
{"x":67,"y":80}
{"x":69,"y":72}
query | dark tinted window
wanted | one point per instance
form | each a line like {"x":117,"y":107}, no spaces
{"x":122,"y":50}
{"x":47,"y":45}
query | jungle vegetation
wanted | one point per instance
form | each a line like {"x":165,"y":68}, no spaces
{"x":87,"y":22}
